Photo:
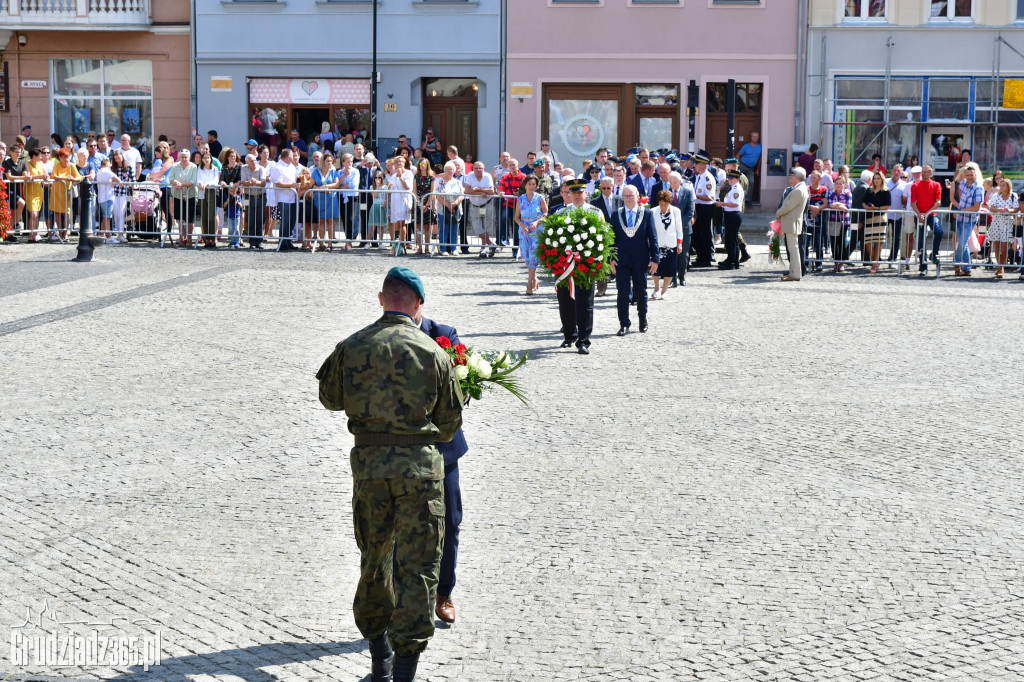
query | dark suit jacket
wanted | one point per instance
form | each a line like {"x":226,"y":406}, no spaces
{"x":609,"y":207}
{"x":455,"y":449}
{"x":658,"y":186}
{"x":638,"y":182}
{"x":685,"y":205}
{"x":639,"y":250}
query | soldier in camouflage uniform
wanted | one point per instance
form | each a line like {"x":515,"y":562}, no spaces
{"x":545,"y":185}
{"x":400,"y":393}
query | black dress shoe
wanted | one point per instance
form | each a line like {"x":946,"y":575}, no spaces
{"x":643,"y":326}
{"x":622,"y":331}
{"x":584,"y":350}
{"x":567,"y":343}
{"x":673,"y":285}
{"x":744,"y":256}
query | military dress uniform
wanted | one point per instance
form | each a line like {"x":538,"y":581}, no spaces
{"x":401,"y":395}
{"x":705,"y":184}
{"x":724,"y":189}
{"x":577,"y":313}
{"x":733,"y":218}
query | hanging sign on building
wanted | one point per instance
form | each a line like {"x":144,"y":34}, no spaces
{"x":4,"y":106}
{"x":309,"y":91}
{"x":220,"y":83}
{"x":1013,"y":93}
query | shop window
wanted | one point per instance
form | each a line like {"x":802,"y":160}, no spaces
{"x":657,"y":95}
{"x":864,"y":9}
{"x":97,"y":95}
{"x":949,"y":99}
{"x":748,"y":98}
{"x":354,"y":121}
{"x":577,"y":128}
{"x":952,"y":9}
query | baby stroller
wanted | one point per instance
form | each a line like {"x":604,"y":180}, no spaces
{"x":145,"y":211}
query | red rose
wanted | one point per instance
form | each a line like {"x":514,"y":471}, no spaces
{"x":444,"y":342}
{"x":460,"y":349}
{"x":461,"y":360}
{"x":582,"y":268}
{"x":598,"y":266}
{"x":590,"y":260}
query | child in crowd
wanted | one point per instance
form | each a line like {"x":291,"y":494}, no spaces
{"x":104,"y":180}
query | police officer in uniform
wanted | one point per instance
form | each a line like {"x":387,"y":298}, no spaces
{"x":732,"y":211}
{"x":732,"y":164}
{"x":577,"y":313}
{"x":705,"y":186}
{"x":401,"y":395}
{"x":444,"y":608}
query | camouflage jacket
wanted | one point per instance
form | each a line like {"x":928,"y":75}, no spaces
{"x":392,"y":380}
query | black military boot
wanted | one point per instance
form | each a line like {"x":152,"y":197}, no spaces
{"x":383,"y":659}
{"x":405,"y":668}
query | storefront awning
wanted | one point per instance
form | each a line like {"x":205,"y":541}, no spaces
{"x":310,"y":91}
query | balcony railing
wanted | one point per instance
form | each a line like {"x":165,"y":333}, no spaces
{"x":70,"y":14}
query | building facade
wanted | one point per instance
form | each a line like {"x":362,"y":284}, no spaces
{"x":439,"y":65}
{"x":917,"y":80}
{"x":615,"y":73}
{"x":80,"y":66}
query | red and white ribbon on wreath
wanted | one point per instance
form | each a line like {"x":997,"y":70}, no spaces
{"x":568,"y":272}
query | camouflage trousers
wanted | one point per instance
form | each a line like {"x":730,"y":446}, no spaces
{"x":399,"y":527}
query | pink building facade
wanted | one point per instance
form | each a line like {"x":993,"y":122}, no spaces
{"x":616,"y":73}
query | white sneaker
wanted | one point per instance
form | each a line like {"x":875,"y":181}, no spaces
{"x":654,"y":296}
{"x":122,"y":240}
{"x":112,"y":240}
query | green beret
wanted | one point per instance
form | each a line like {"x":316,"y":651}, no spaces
{"x":409,"y":278}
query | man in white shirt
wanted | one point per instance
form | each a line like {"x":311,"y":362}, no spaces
{"x":547,"y":152}
{"x":284,"y":176}
{"x":618,"y":181}
{"x":479,"y":185}
{"x":501,"y":170}
{"x":899,"y":190}
{"x":132,"y":157}
{"x":556,"y":176}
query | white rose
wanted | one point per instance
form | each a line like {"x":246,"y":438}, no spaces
{"x":593,"y":230}
{"x":599,"y":258}
{"x":590,"y":244}
{"x":577,"y":238}
{"x":586,"y":254}
{"x":583,"y":222}
{"x":461,"y":371}
{"x":568,"y":220}
{"x":505,"y":360}
{"x":483,"y":368}
{"x":561,"y":240}
{"x":561,"y":231}
{"x":600,"y":238}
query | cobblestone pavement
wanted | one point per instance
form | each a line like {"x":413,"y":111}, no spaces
{"x":812,"y":481}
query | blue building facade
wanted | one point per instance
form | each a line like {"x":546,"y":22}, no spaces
{"x":298,"y":64}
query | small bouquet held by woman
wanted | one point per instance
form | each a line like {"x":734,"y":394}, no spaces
{"x":482,"y":371}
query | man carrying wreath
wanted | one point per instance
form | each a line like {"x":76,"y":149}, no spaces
{"x":576,"y":308}
{"x":637,"y":244}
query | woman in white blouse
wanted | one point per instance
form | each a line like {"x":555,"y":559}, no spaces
{"x":668,"y":223}
{"x":208,"y":179}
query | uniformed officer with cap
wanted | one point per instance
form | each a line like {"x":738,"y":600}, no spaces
{"x":577,"y":313}
{"x":732,"y":208}
{"x":705,"y":186}
{"x":401,"y":395}
{"x":732,"y":164}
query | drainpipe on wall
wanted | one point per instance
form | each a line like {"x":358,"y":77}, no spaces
{"x":194,"y":71}
{"x":801,"y":69}
{"x":502,"y":75}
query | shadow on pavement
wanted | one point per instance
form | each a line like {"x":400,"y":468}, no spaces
{"x":244,"y":663}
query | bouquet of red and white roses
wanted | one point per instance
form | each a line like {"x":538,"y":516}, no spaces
{"x":485,"y":370}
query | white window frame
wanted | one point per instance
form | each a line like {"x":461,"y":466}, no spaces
{"x":949,"y":18}
{"x":864,"y":6}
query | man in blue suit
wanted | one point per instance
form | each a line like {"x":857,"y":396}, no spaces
{"x":645,"y":181}
{"x":682,"y":198}
{"x":451,"y":451}
{"x":636,"y":243}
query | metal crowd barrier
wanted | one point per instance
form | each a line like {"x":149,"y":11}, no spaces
{"x":462,"y":230}
{"x":906,"y":242}
{"x":985,"y":258}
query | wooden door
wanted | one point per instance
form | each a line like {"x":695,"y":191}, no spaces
{"x":454,"y":122}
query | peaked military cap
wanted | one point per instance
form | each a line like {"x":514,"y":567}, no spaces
{"x":576,"y":185}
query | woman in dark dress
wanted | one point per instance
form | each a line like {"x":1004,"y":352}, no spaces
{"x":876,"y":202}
{"x":427,"y":214}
